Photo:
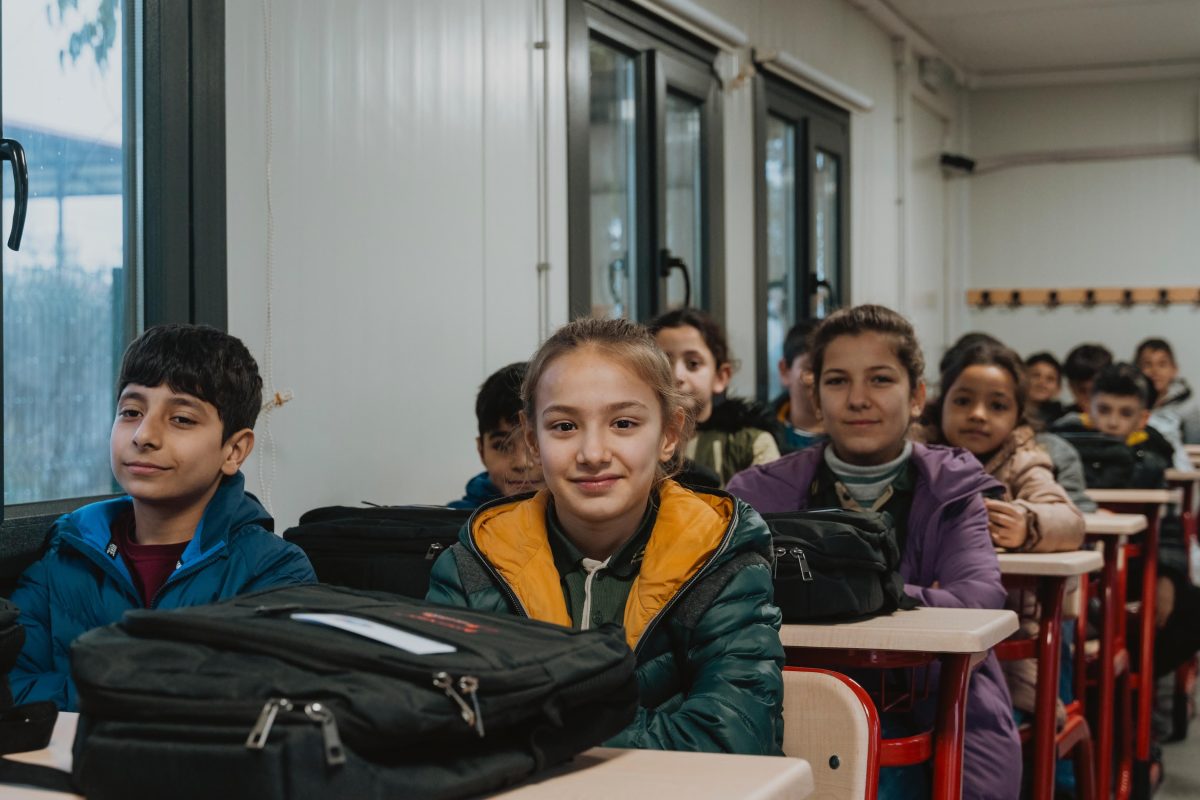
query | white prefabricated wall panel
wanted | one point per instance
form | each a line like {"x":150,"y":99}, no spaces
{"x":926,"y":209}
{"x":405,"y":204}
{"x":1115,"y":223}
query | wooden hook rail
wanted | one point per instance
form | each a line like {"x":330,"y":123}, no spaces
{"x":1052,"y":298}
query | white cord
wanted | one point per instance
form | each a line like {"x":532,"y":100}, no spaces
{"x":266,"y":476}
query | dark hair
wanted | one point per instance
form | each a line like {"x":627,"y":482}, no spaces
{"x":1085,"y":362}
{"x":710,"y":331}
{"x":870,"y":319}
{"x":965,"y":341}
{"x":987,"y":354}
{"x":1124,"y":380}
{"x":201,"y":361}
{"x":1043,"y":357}
{"x":633,"y":347}
{"x":795,"y":344}
{"x":1161,"y":345}
{"x":499,"y":398}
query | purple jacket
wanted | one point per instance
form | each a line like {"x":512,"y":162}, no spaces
{"x":948,"y":543}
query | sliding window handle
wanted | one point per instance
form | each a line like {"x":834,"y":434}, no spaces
{"x":672,"y":262}
{"x":11,"y":150}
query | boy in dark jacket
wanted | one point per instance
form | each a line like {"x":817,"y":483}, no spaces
{"x":509,"y":467}
{"x":797,"y":422}
{"x":186,"y":533}
{"x":1118,"y":447}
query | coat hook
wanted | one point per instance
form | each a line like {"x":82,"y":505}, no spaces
{"x":985,"y":299}
{"x":1089,"y":298}
{"x":1052,"y":299}
{"x":1014,"y":298}
{"x":1127,"y":298}
{"x":1164,"y":297}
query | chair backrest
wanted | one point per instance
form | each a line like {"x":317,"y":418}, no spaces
{"x":830,"y":722}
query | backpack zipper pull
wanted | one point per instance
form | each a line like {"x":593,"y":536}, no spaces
{"x":257,"y":739}
{"x":802,"y":560}
{"x":443,"y":681}
{"x":780,"y":552}
{"x":469,"y":685}
{"x":335,"y":754}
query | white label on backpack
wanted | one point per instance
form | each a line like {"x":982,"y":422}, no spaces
{"x":402,"y":640}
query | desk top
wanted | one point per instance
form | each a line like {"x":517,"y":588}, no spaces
{"x":1192,"y":449}
{"x":1154,"y":497}
{"x":600,"y":773}
{"x":921,"y":630}
{"x":1114,"y":524}
{"x":1180,"y":475}
{"x":1075,"y":562}
{"x":604,"y":773}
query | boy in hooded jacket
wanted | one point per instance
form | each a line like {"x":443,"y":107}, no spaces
{"x":185,"y":533}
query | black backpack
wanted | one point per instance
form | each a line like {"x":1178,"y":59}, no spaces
{"x":243,"y":700}
{"x":832,"y":564}
{"x":385,"y":548}
{"x":1109,"y":463}
{"x":27,"y":727}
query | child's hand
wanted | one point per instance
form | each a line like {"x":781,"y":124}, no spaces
{"x":1007,"y":523}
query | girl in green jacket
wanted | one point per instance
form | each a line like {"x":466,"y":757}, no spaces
{"x":611,"y":539}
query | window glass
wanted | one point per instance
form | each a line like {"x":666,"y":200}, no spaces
{"x":613,"y":168}
{"x":684,"y":201}
{"x":64,"y":291}
{"x":780,"y":174}
{"x":826,"y":224}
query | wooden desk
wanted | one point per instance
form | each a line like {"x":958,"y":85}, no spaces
{"x":958,"y":637}
{"x":1135,"y":497}
{"x":600,"y":773}
{"x":1049,"y":573}
{"x":1114,"y":524}
{"x":1193,"y":451}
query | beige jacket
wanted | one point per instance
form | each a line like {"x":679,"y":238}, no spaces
{"x":1055,"y":525}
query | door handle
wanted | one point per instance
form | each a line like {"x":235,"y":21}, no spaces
{"x":11,"y":150}
{"x":670,"y":262}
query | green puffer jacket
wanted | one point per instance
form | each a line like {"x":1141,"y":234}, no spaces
{"x":700,"y":615}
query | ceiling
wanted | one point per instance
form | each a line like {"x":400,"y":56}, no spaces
{"x":1013,"y":37}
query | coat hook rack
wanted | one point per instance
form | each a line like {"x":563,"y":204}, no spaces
{"x":1087,"y":297}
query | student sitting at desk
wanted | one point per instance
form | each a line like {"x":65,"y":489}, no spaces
{"x":982,"y":409}
{"x":1176,"y":403}
{"x":868,"y":369}
{"x":508,"y":466}
{"x":612,"y":539}
{"x":186,"y":533}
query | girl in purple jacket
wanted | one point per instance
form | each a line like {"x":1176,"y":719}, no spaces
{"x":868,"y":389}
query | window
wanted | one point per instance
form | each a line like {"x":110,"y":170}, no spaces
{"x":644,"y":147}
{"x":123,"y":134}
{"x":803,"y":147}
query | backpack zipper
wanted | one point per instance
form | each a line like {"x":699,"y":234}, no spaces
{"x":469,"y":685}
{"x":801,"y":559}
{"x":335,"y":753}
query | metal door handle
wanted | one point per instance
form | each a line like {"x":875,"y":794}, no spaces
{"x":11,"y":150}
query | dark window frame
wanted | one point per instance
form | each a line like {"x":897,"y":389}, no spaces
{"x":176,"y":243}
{"x":659,"y":49}
{"x":819,"y":125}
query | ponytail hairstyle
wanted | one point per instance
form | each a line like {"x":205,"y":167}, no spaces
{"x":633,"y":347}
{"x":870,"y":319}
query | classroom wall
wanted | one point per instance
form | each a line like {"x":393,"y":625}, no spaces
{"x":1131,"y":222}
{"x":405,"y":190}
{"x":407,"y":203}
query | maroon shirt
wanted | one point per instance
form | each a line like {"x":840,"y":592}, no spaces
{"x":149,"y":564}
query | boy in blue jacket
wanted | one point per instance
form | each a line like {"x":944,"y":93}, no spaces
{"x":186,"y":532}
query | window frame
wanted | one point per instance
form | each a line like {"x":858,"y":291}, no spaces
{"x":176,"y":239}
{"x":667,"y":59}
{"x":819,"y":125}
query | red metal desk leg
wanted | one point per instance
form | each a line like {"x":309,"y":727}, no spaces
{"x":1108,"y":640}
{"x":1045,"y":749}
{"x":1145,"y":677}
{"x":950,"y":726}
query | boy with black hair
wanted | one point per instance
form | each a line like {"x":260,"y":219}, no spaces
{"x":186,"y":532}
{"x":1118,"y":446}
{"x":1083,"y":363}
{"x":509,"y":467}
{"x":1177,"y":404}
{"x":798,"y":423}
{"x":1045,"y":384}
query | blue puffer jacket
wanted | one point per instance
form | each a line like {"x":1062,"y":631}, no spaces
{"x":76,"y":586}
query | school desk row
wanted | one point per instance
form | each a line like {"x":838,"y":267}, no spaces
{"x":959,"y":638}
